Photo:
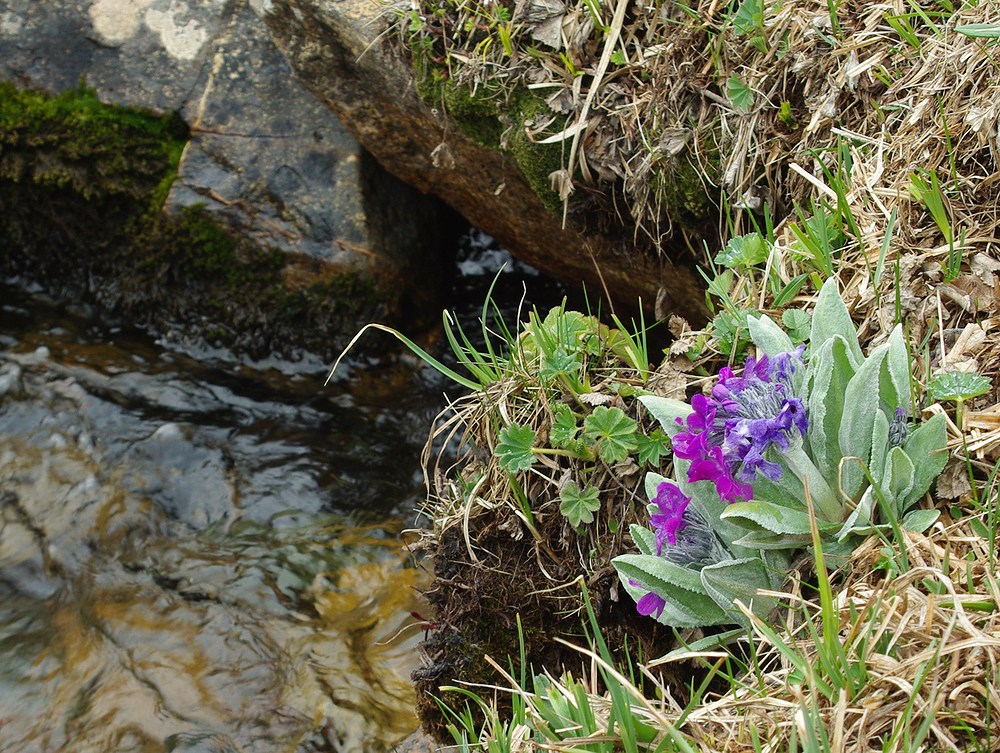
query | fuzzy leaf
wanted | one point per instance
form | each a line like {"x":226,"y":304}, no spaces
{"x":831,"y":317}
{"x":899,"y":477}
{"x":514,"y":448}
{"x":861,"y":401}
{"x":682,"y":609}
{"x":688,"y":605}
{"x":579,"y":506}
{"x":761,"y":539}
{"x":772,"y":517}
{"x":880,"y":444}
{"x":645,"y":540}
{"x":666,"y":410}
{"x":894,"y":386}
{"x":739,"y":579}
{"x":768,"y":336}
{"x":860,"y":519}
{"x":650,"y":449}
{"x":926,"y":449}
{"x":830,"y":371}
{"x":614,"y":431}
{"x":919,"y":521}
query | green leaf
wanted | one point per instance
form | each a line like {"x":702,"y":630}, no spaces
{"x":614,"y":431}
{"x":880,"y":444}
{"x":579,"y":506}
{"x":861,"y":401}
{"x":900,"y":475}
{"x":830,"y":371}
{"x":749,"y":17}
{"x":831,"y":317}
{"x":666,"y":410}
{"x":730,"y":329}
{"x":979,"y":31}
{"x":797,"y":323}
{"x":564,"y":427}
{"x":645,"y":540}
{"x":727,"y":582}
{"x":744,"y":251}
{"x":687,"y":605}
{"x":740,"y":95}
{"x":772,"y":517}
{"x":653,"y":447}
{"x":919,"y":521}
{"x":894,"y":383}
{"x":958,"y":385}
{"x":926,"y":449}
{"x":765,"y":540}
{"x":860,"y":519}
{"x":514,"y":448}
{"x":768,"y":336}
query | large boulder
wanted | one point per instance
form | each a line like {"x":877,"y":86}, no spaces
{"x":342,"y":52}
{"x":265,"y":159}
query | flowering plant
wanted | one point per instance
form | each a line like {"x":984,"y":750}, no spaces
{"x":798,"y":439}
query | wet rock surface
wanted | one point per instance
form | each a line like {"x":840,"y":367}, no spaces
{"x":189,"y":561}
{"x":267,"y":160}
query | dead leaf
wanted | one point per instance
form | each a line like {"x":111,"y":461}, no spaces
{"x":953,"y":482}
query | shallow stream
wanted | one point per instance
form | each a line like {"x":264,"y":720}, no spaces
{"x":199,"y":554}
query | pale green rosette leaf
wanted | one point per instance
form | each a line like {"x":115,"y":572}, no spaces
{"x":919,"y":521}
{"x":687,"y":602}
{"x":727,"y":582}
{"x":768,"y":336}
{"x":831,"y":317}
{"x":774,"y":518}
{"x":762,"y":540}
{"x":830,"y":371}
{"x":926,"y":449}
{"x":666,"y":410}
{"x":645,"y":540}
{"x":859,"y":522}
{"x":861,"y":402}
{"x":880,"y":445}
{"x":894,"y":388}
{"x":899,"y":477}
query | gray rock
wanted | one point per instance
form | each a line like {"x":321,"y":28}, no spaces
{"x":343,"y":54}
{"x":265,"y":156}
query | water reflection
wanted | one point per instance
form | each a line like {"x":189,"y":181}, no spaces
{"x":195,"y":555}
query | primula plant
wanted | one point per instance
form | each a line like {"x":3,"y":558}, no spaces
{"x":801,"y":438}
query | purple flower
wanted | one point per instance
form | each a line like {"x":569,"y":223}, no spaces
{"x":672,"y":503}
{"x":650,"y":603}
{"x":729,"y":432}
{"x":689,"y":538}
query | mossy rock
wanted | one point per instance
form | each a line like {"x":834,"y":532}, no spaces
{"x":82,"y":190}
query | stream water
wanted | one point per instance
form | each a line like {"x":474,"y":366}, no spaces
{"x":198,"y":554}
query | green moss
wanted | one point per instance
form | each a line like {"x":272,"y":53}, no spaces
{"x":82,"y":188}
{"x":680,"y":186}
{"x":537,"y":161}
{"x":478,"y":116}
{"x":74,"y":143}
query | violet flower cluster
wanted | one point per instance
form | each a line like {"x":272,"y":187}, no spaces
{"x":730,"y":431}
